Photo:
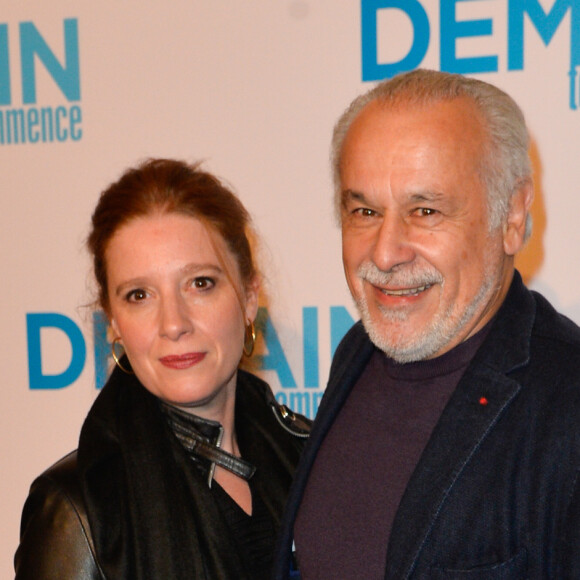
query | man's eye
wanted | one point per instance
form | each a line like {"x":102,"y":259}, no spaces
{"x":425,"y":211}
{"x":364,"y":212}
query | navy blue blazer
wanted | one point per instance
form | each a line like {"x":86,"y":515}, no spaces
{"x":495,"y":493}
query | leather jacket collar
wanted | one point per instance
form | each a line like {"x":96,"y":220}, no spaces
{"x":201,"y":438}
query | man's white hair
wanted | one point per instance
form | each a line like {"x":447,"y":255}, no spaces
{"x":505,"y":162}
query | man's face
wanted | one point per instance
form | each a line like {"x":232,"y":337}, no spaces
{"x":423,"y":267}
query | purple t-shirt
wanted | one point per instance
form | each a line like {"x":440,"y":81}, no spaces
{"x":365,"y":462}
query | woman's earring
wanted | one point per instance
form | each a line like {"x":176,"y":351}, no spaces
{"x":249,"y":339}
{"x":116,"y":358}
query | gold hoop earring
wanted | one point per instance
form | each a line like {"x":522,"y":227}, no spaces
{"x":249,"y":339}
{"x":116,"y":358}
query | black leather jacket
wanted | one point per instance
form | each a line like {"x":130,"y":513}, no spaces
{"x":56,"y":540}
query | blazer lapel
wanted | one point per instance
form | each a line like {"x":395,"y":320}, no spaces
{"x":481,"y":396}
{"x":460,"y":431}
{"x":347,"y":367}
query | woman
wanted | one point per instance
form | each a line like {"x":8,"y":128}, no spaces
{"x":184,"y":461}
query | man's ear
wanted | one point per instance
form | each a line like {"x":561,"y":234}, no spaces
{"x":515,"y":227}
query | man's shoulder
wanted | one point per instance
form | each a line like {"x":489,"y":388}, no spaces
{"x":552,"y":375}
{"x":555,"y":349}
{"x":551,"y":325}
{"x":527,"y":332}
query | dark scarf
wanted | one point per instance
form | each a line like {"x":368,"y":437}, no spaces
{"x":150,"y":510}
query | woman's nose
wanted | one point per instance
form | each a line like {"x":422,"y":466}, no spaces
{"x":175,"y":318}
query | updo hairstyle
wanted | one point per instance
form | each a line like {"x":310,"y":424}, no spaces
{"x":169,"y":186}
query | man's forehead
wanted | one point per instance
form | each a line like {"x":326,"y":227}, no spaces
{"x":407,"y":127}
{"x":424,"y":154}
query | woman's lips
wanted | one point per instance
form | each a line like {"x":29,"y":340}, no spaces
{"x":182,"y":361}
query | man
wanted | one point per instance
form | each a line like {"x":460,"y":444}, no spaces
{"x":447,"y":444}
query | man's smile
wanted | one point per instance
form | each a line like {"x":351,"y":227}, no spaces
{"x":405,"y":291}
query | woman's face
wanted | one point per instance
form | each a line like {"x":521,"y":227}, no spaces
{"x":175,"y":308}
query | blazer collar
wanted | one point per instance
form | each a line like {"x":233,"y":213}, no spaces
{"x":348,"y":364}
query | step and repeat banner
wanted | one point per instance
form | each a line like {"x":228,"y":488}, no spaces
{"x":252,"y":89}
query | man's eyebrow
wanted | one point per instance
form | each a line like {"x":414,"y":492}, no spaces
{"x":351,"y":195}
{"x":422,"y":196}
{"x":418,"y":197}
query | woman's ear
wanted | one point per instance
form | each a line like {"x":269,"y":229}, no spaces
{"x":252,"y":299}
{"x":114,"y":328}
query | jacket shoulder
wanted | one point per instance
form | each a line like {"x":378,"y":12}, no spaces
{"x":294,"y":423}
{"x":55,"y":539}
{"x":555,"y":350}
{"x":551,"y":324}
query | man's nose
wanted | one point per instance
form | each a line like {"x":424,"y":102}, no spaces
{"x":393,"y":244}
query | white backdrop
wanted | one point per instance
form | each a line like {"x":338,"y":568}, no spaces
{"x":253,"y":88}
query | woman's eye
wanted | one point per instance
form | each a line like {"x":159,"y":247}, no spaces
{"x":136,"y":295}
{"x":203,"y":283}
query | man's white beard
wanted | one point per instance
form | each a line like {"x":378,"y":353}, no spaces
{"x":442,"y":328}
